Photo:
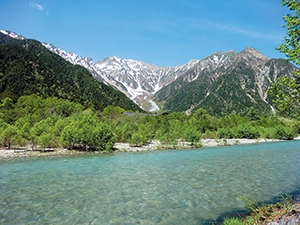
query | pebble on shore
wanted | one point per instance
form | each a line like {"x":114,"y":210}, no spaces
{"x":125,"y":147}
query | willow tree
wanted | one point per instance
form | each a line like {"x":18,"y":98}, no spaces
{"x":287,"y":90}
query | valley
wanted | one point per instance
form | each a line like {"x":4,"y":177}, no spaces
{"x":194,"y":84}
{"x":221,"y":83}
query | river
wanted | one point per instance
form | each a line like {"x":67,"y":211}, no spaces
{"x":159,"y":187}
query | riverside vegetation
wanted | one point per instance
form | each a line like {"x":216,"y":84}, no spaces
{"x":286,"y":211}
{"x":53,"y":122}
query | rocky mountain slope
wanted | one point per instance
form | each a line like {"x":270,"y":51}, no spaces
{"x":138,"y":80}
{"x":248,"y":76}
{"x":223,"y":82}
{"x":27,"y":67}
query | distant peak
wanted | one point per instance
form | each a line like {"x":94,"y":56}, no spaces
{"x":12,"y":34}
{"x":220,"y":57}
{"x":250,"y":49}
{"x":220,"y":54}
{"x":115,"y":58}
{"x":193,"y":61}
{"x":254,"y":52}
{"x":4,"y":32}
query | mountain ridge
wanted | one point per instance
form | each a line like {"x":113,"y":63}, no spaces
{"x":155,"y":87}
{"x":248,"y":74}
{"x":27,"y":67}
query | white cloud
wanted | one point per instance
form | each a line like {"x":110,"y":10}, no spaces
{"x":211,"y":25}
{"x":36,"y":6}
{"x":249,"y":33}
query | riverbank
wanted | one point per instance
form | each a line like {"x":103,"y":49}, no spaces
{"x":280,"y":213}
{"x":125,"y":147}
{"x":204,"y":143}
{"x":27,"y":152}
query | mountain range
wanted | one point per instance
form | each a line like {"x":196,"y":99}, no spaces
{"x":222,"y":83}
{"x":226,"y":82}
{"x":27,"y":67}
{"x":138,"y":80}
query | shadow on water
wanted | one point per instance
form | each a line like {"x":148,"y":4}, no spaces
{"x":243,"y":213}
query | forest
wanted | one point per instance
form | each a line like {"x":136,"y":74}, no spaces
{"x":54,"y":122}
{"x":27,"y":67}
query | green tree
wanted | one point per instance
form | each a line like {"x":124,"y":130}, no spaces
{"x":60,"y":107}
{"x":69,"y":136}
{"x":252,"y":114}
{"x":102,"y":138}
{"x":9,"y":136}
{"x":31,"y":107}
{"x":42,"y":133}
{"x":24,"y":128}
{"x":287,"y":90}
{"x":202,"y":121}
{"x":113,"y":112}
{"x":192,"y":135}
{"x":86,"y":131}
{"x":137,"y":139}
{"x":247,"y":131}
{"x":7,"y":103}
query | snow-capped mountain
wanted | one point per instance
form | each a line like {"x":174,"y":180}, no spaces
{"x":138,"y":80}
{"x":12,"y":34}
{"x":226,"y":82}
{"x":190,"y":85}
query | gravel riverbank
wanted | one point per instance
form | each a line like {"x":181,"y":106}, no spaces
{"x":156,"y":145}
{"x":125,"y":147}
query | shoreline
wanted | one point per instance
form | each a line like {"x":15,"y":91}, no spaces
{"x":205,"y":143}
{"x":23,"y":152}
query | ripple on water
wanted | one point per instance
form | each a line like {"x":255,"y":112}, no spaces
{"x":161,"y":187}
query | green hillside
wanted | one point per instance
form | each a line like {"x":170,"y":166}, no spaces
{"x":236,"y":87}
{"x":27,"y":67}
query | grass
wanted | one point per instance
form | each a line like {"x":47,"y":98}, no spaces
{"x":264,"y":213}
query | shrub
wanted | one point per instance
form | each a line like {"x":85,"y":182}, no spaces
{"x":137,"y":139}
{"x":191,"y":135}
{"x":225,"y":133}
{"x":247,"y":131}
{"x":285,"y":133}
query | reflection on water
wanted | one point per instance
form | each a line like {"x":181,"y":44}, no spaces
{"x":161,"y":187}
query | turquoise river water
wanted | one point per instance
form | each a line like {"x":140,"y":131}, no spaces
{"x":159,"y":187}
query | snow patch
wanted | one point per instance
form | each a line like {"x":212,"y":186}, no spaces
{"x":12,"y":35}
{"x":4,"y":32}
{"x":154,"y":106}
{"x":272,"y":108}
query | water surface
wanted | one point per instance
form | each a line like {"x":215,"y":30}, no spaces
{"x":159,"y":187}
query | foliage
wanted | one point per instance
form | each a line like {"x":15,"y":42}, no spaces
{"x":27,"y":67}
{"x":290,"y":45}
{"x":286,"y":91}
{"x":222,"y":91}
{"x":191,"y":135}
{"x":282,"y":132}
{"x":247,"y":131}
{"x":9,"y":136}
{"x":54,"y":122}
{"x":263,"y":213}
{"x":86,"y":132}
{"x":232,"y":221}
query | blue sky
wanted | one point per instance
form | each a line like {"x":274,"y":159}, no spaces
{"x":161,"y":32}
